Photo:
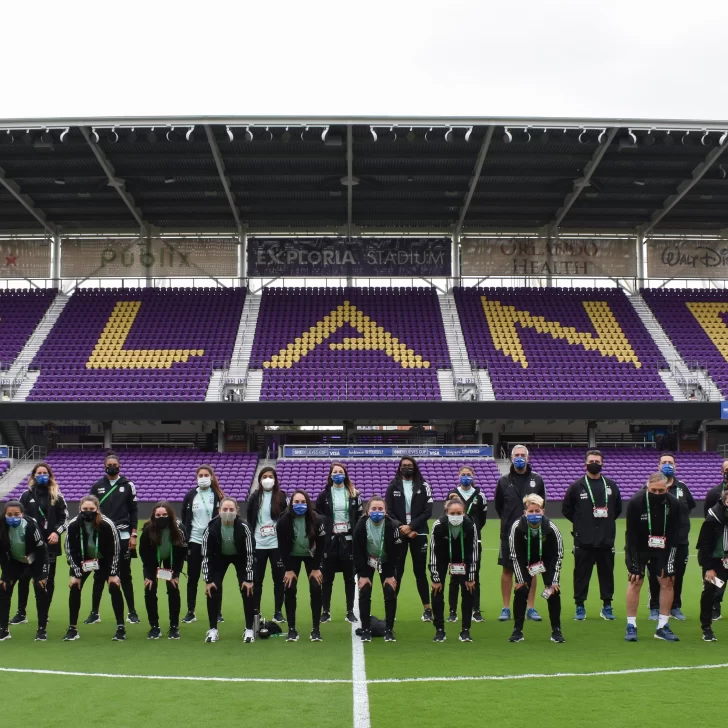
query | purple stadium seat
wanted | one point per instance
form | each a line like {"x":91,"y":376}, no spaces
{"x":20,"y":312}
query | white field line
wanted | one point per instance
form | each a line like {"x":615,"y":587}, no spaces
{"x":361,"y":716}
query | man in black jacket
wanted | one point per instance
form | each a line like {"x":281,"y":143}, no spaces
{"x":687,"y":504}
{"x":118,"y":501}
{"x":713,"y":558}
{"x":509,"y":494}
{"x":712,"y":498}
{"x":593,"y":504}
{"x":653,"y":528}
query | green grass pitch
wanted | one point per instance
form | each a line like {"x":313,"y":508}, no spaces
{"x":692,"y":697}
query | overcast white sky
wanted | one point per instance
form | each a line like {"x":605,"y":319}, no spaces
{"x":621,"y":58}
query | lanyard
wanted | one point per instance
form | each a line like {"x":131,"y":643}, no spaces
{"x":116,"y":485}
{"x":591,"y":495}
{"x":462,"y":544}
{"x":204,"y":505}
{"x":540,"y":545}
{"x":96,"y":542}
{"x":649,"y":516}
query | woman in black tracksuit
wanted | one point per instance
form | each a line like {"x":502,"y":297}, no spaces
{"x":453,"y":550}
{"x":713,"y":559}
{"x":340,"y":505}
{"x":44,"y":503}
{"x":228,"y":542}
{"x":409,"y":501}
{"x":378,"y":547}
{"x":266,"y":504}
{"x":22,"y":549}
{"x":162,"y":550}
{"x":92,"y":546}
{"x":201,"y":504}
{"x":301,"y":541}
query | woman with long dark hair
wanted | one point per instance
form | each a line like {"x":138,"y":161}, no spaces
{"x":162,"y":549}
{"x":266,"y":504}
{"x":22,"y":549}
{"x":340,"y":505}
{"x":92,"y":547}
{"x":201,"y":504}
{"x":43,"y":502}
{"x":301,"y":541}
{"x":409,"y":501}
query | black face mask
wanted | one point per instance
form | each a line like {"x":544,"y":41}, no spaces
{"x":112,"y":470}
{"x":594,"y":468}
{"x":407,"y":473}
{"x":88,"y":515}
{"x":658,"y":499}
{"x":162,"y":522}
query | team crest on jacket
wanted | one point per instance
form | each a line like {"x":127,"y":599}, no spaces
{"x":533,"y":483}
{"x":121,"y":489}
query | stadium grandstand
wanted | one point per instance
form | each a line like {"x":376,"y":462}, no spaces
{"x":241,"y":291}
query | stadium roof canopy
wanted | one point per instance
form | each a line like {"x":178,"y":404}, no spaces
{"x":353,"y":175}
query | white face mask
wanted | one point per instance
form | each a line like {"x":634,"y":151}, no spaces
{"x":204,"y":483}
{"x":227,"y":518}
{"x":268,"y":483}
{"x":455,"y":520}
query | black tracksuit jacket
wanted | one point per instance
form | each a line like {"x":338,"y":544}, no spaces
{"x":186,"y":515}
{"x":712,"y":497}
{"x":35,"y":546}
{"x":577,"y":507}
{"x":440,"y":544}
{"x":254,"y":500}
{"x":393,"y":547}
{"x":687,"y":504}
{"x":212,"y":550}
{"x":325,"y":508}
{"x":55,"y":520}
{"x":121,"y":505}
{"x":510,"y":492}
{"x":285,"y":533}
{"x":713,"y":533}
{"x":420,"y":507}
{"x":552,"y":549}
{"x":148,"y":553}
{"x":108,"y":546}
{"x":637,"y":533}
{"x":476,"y":506}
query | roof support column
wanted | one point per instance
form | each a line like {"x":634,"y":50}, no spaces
{"x":56,"y":260}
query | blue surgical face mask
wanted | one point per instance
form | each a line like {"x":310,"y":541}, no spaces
{"x":338,"y":478}
{"x":300,"y":508}
{"x":42,"y":479}
{"x":668,"y":469}
{"x":534,"y":518}
{"x":377,"y":516}
{"x":466,"y":480}
{"x":13,"y":521}
{"x":519,"y":462}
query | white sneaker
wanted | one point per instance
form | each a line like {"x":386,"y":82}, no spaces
{"x":212,"y":635}
{"x":249,"y":636}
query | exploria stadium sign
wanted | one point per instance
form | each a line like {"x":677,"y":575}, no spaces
{"x":360,"y":257}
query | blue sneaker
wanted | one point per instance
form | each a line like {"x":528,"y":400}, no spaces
{"x":654,"y":615}
{"x":607,"y":613}
{"x":631,"y":633}
{"x":505,"y":615}
{"x":580,"y":613}
{"x":666,"y":634}
{"x":677,"y":614}
{"x":533,"y":615}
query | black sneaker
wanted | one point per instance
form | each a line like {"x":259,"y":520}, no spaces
{"x":325,"y":617}
{"x":278,"y":617}
{"x":41,"y":635}
{"x":220,"y":618}
{"x":717,"y":613}
{"x":440,"y":636}
{"x":427,"y":615}
{"x":19,"y":618}
{"x":351,"y":617}
{"x":189,"y":618}
{"x":477,"y":616}
{"x":389,"y":636}
{"x":154,"y":633}
{"x":71,"y":635}
{"x":92,"y":618}
{"x":556,"y":636}
{"x":120,"y":635}
{"x":4,"y":634}
{"x":366,"y":635}
{"x":133,"y":618}
{"x":453,"y":616}
{"x":517,"y":636}
{"x":708,"y":635}
{"x":292,"y":635}
{"x":316,"y":635}
{"x":465,"y":636}
{"x":173,"y":633}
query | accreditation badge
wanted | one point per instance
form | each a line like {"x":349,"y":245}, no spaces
{"x":457,"y":569}
{"x":537,"y":568}
{"x":601,"y":512}
{"x":164,"y":574}
{"x":269,"y":530}
{"x":656,"y":542}
{"x":90,"y":565}
{"x":341,"y":527}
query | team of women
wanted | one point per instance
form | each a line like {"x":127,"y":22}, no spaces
{"x":339,"y":533}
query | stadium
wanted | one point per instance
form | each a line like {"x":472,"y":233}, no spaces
{"x":289,"y":292}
